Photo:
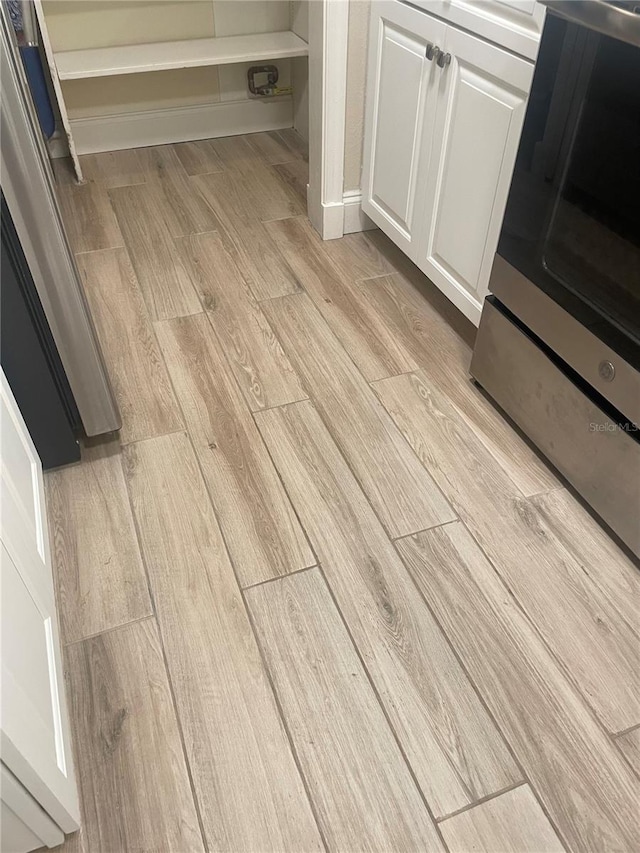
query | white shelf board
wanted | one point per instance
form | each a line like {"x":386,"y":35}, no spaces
{"x":188,"y":53}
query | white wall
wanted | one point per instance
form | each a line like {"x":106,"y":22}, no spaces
{"x":300,"y":69}
{"x":356,"y":77}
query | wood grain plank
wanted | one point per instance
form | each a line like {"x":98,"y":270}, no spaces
{"x":131,"y":769}
{"x":114,"y":168}
{"x":579,"y":624}
{"x":296,"y":176}
{"x":261,"y":368}
{"x":262,"y":532}
{"x":63,"y":171}
{"x":451,"y":744}
{"x":440,"y":344}
{"x":295,"y":141}
{"x":250,"y":794}
{"x":136,"y":369}
{"x":184,"y":208}
{"x":338,"y":729}
{"x":100,"y":578}
{"x":165,"y":284}
{"x":399,"y":488}
{"x":261,"y":264}
{"x":199,"y":157}
{"x":357,"y":256}
{"x":244,"y":196}
{"x":629,"y":743}
{"x":88,"y":217}
{"x":273,"y":148}
{"x":584,"y":783}
{"x":235,"y":152}
{"x":365,"y":336}
{"x":615,"y":576}
{"x":510,"y":823}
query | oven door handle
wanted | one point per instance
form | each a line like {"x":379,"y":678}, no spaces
{"x":600,"y":16}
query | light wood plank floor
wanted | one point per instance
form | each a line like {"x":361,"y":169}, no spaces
{"x":319,"y":594}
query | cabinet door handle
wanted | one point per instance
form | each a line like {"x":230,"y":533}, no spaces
{"x":443,"y":59}
{"x":432,"y":51}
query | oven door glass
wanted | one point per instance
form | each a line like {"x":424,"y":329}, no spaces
{"x":572,"y":223}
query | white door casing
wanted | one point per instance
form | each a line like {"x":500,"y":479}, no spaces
{"x":34,"y":731}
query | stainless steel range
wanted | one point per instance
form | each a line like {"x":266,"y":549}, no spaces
{"x":558,"y":346}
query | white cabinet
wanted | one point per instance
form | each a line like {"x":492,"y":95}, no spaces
{"x":34,"y":733}
{"x":441,"y":140}
{"x":404,"y":90}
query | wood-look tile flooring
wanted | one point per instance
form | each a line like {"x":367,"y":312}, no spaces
{"x":318,"y":594}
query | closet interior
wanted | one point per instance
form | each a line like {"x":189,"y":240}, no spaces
{"x":134,"y":73}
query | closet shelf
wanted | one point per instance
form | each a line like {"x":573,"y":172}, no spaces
{"x":187,"y":53}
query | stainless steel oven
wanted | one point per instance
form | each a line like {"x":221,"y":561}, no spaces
{"x":559,"y":340}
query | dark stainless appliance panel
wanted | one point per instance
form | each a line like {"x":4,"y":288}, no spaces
{"x":572,"y":223}
{"x":559,"y":340}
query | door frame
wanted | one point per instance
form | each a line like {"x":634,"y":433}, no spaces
{"x":328,"y":48}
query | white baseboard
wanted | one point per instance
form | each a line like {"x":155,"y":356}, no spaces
{"x":340,"y":218}
{"x":159,"y":127}
{"x":354,"y":219}
{"x":332,"y":221}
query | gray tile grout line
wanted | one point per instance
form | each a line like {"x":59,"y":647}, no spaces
{"x":498,"y":729}
{"x":278,"y":577}
{"x":372,"y":382}
{"x":486,"y":799}
{"x":241,"y":593}
{"x":521,"y":496}
{"x":478,"y":692}
{"x":153,"y":614}
{"x":455,"y":520}
{"x":445,"y":636}
{"x":176,"y":711}
{"x":383,"y":708}
{"x":279,"y":406}
{"x":234,"y":381}
{"x":182,"y":429}
{"x":321,"y":569}
{"x":253,"y":631}
{"x":367,"y":385}
{"x":283,"y":718}
{"x":112,"y":628}
{"x":196,"y":801}
{"x":562,"y":667}
{"x":623,"y":732}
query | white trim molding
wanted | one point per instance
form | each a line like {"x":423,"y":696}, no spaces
{"x":159,"y":127}
{"x":354,"y":219}
{"x":328,"y":34}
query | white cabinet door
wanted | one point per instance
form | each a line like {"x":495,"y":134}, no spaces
{"x":24,"y":825}
{"x":482,"y":96}
{"x":34,"y":731}
{"x":400,"y":110}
